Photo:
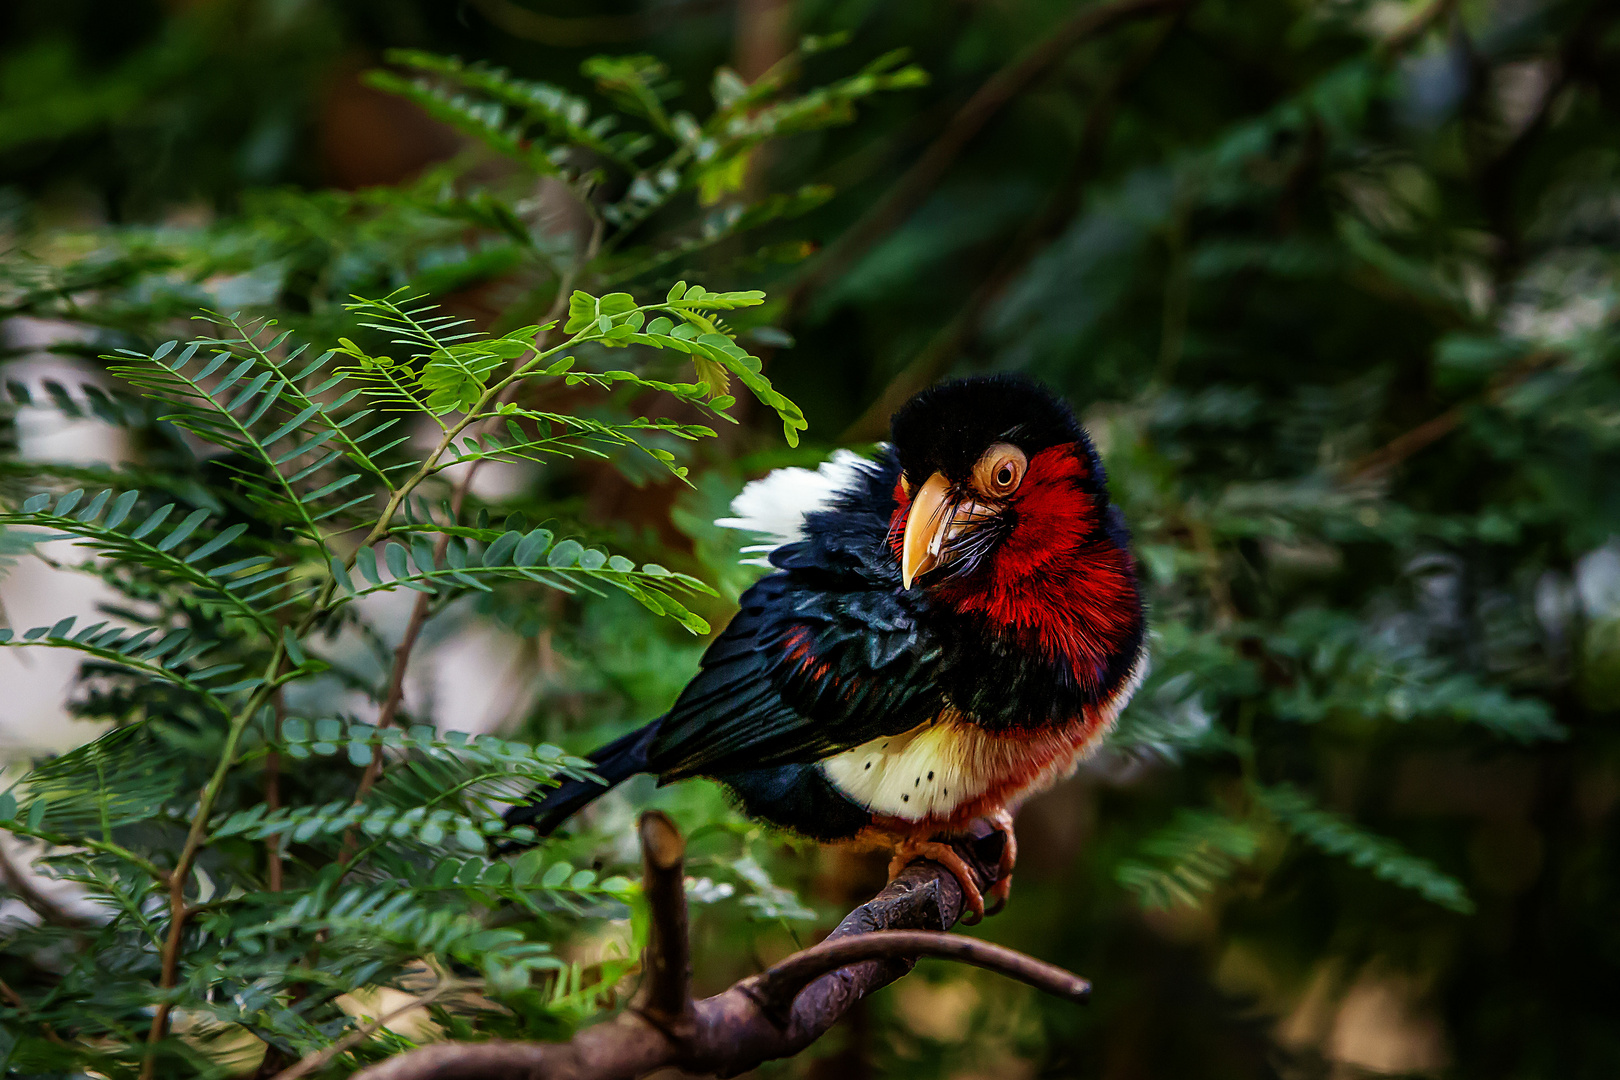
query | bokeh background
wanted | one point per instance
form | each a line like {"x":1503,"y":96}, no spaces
{"x":1334,"y":285}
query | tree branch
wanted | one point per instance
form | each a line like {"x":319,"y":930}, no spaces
{"x":395,"y":696}
{"x":665,"y":996}
{"x":952,"y":338}
{"x":16,"y":882}
{"x":775,"y":989}
{"x":365,"y":1031}
{"x":771,"y":1015}
{"x":993,"y":94}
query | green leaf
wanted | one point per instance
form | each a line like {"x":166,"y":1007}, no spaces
{"x":564,"y":554}
{"x":528,"y":867}
{"x":394,"y":556}
{"x":120,"y":509}
{"x":581,"y":312}
{"x":498,"y":553}
{"x":341,"y":575}
{"x":531,"y":547}
{"x":295,"y":652}
{"x":186,"y":527}
{"x":152,"y":521}
{"x":93,"y":510}
{"x":217,"y":542}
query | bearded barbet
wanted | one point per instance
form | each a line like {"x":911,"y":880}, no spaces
{"x":949,"y":629}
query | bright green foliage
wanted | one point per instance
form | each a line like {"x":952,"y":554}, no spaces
{"x":334,"y":510}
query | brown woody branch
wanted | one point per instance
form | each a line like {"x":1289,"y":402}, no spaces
{"x":993,"y":94}
{"x":771,"y":1015}
{"x":957,"y":335}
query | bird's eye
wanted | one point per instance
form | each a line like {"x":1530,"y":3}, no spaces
{"x":1000,"y":470}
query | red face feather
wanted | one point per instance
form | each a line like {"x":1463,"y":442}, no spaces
{"x":1058,"y":582}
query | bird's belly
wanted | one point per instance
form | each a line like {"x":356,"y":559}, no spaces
{"x":949,"y":771}
{"x":944,"y":773}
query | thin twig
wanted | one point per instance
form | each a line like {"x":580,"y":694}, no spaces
{"x":1378,"y":464}
{"x":16,"y":880}
{"x":319,"y":1059}
{"x":395,"y":697}
{"x":993,"y":94}
{"x":775,"y":989}
{"x":952,"y":338}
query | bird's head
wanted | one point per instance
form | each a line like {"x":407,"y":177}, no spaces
{"x":992,"y":467}
{"x":1002,"y":517}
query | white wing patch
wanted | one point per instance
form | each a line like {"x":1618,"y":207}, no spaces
{"x":932,"y":769}
{"x":775,"y":505}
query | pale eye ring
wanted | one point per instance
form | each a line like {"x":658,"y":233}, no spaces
{"x":1000,"y":470}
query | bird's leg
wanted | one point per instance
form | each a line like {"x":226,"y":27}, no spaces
{"x":912,"y":848}
{"x":1001,"y":821}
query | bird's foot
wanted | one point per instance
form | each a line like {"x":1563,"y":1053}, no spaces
{"x":1001,"y":821}
{"x":910,"y":850}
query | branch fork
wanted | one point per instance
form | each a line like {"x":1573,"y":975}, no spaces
{"x":774,"y":1014}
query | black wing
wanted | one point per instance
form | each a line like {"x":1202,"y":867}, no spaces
{"x":824,"y":655}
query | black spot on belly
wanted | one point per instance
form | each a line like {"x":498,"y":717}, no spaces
{"x":930,"y":776}
{"x":905,"y":798}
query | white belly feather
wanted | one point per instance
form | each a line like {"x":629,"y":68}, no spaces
{"x":933,"y":769}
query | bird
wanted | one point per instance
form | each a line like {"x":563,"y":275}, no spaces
{"x":947,"y":628}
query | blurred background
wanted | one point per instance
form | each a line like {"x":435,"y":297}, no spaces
{"x":1332,"y":282}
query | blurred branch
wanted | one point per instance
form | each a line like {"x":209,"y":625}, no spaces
{"x":320,"y":1058}
{"x":908,"y":192}
{"x":395,"y":696}
{"x":572,"y":31}
{"x":954,"y":336}
{"x":771,"y":1015}
{"x":16,"y":882}
{"x":1377,"y":464}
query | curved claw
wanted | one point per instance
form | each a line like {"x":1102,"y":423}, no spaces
{"x":911,"y":850}
{"x":1001,"y":821}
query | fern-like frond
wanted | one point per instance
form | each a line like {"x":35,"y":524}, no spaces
{"x":105,"y":525}
{"x":566,"y":565}
{"x":150,"y":652}
{"x":564,"y":118}
{"x":126,"y":776}
{"x":1382,"y":857}
{"x":1185,"y":860}
{"x":225,"y":411}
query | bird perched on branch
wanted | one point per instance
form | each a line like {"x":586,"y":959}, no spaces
{"x":949,"y":628}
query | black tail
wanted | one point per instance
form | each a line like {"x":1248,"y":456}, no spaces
{"x":615,"y":763}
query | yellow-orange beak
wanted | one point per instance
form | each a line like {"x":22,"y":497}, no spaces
{"x":926,"y":528}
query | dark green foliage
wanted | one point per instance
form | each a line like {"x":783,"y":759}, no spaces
{"x":1333,"y":284}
